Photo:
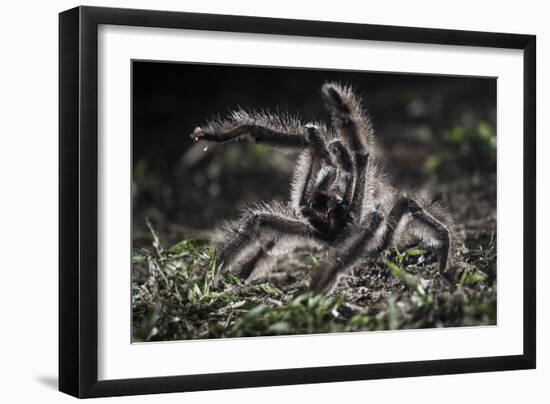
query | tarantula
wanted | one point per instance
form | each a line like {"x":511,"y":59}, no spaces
{"x":340,"y":198}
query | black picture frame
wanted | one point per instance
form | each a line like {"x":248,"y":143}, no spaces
{"x":78,"y":201}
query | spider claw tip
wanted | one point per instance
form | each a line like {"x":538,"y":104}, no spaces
{"x":197,"y":133}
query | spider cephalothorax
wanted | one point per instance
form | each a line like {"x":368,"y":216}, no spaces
{"x":339,"y":198}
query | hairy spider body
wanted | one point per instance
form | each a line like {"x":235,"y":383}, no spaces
{"x":340,"y":199}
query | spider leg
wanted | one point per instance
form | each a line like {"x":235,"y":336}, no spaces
{"x":355,"y":129}
{"x":319,"y":155}
{"x":337,"y":170}
{"x":250,"y":266}
{"x":326,"y":179}
{"x":260,"y":134}
{"x":345,"y":171}
{"x":326,"y":277}
{"x":302,"y":183}
{"x":317,"y":142}
{"x":348,"y":116}
{"x":264,"y":226}
{"x":342,"y":157}
{"x":433,"y":233}
{"x":358,"y":201}
{"x":336,"y":157}
{"x":262,"y":127}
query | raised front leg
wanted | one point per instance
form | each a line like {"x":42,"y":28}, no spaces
{"x":319,"y":156}
{"x":264,"y":128}
{"x":354,"y":127}
{"x":342,"y":157}
{"x":260,"y":134}
{"x":348,"y":116}
{"x":358,"y":201}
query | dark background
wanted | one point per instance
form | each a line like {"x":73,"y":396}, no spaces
{"x":433,"y":131}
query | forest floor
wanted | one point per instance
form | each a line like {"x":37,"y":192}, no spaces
{"x":173,"y":294}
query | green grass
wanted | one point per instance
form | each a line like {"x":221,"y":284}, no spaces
{"x":174,"y":296}
{"x":465,"y":148}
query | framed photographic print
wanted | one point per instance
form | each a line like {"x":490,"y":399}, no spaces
{"x":251,"y":201}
